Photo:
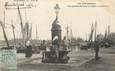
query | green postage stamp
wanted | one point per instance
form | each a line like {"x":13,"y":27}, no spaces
{"x":8,"y":58}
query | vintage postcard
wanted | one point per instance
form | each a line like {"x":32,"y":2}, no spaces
{"x":57,"y":35}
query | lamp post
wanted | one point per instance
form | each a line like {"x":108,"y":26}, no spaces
{"x":57,"y":8}
{"x":56,"y":28}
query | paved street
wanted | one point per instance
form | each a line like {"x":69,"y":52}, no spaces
{"x":80,"y":61}
{"x":106,"y":62}
{"x":76,"y":56}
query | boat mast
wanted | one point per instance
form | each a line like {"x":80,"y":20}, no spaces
{"x":13,"y":32}
{"x":36,"y":33}
{"x":91,"y":34}
{"x":21,"y":24}
{"x":95,"y":30}
{"x":4,"y":33}
{"x":67,"y":31}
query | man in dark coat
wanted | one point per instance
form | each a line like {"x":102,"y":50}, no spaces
{"x":43,"y":48}
{"x":28,"y":50}
{"x":97,"y":46}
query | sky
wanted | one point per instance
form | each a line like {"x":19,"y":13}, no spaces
{"x":79,"y":19}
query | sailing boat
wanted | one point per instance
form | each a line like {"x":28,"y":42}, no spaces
{"x":70,"y":37}
{"x":27,"y":30}
{"x":106,"y":40}
{"x":89,"y":43}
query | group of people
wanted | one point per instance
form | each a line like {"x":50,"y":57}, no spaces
{"x":55,"y":47}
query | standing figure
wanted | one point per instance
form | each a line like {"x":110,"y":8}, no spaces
{"x":56,"y":44}
{"x":97,"y":46}
{"x":65,"y":44}
{"x":43,"y":48}
{"x":28,"y":50}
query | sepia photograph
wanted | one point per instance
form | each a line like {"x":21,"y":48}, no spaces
{"x":57,"y":35}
